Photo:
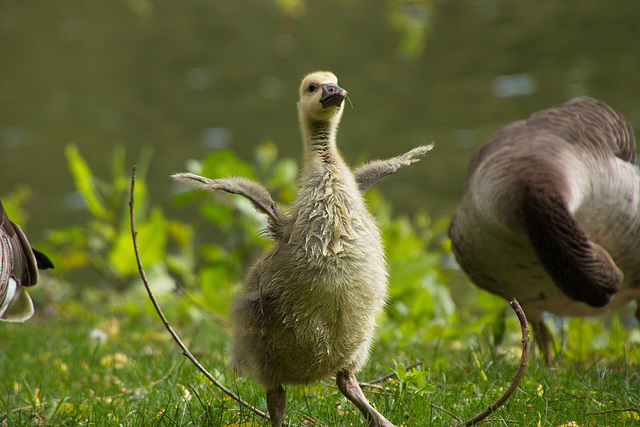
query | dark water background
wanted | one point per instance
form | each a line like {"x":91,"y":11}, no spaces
{"x":185,"y":77}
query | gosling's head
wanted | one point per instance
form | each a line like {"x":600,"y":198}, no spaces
{"x":321,"y":99}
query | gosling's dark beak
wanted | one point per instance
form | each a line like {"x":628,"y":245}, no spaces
{"x":332,"y":95}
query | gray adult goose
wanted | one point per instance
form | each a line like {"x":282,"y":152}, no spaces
{"x":309,"y":306}
{"x":19,"y":264}
{"x":551,"y":214}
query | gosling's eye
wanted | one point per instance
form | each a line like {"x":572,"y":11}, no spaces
{"x":312,"y":87}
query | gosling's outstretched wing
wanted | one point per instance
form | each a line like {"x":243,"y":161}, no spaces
{"x":367,"y":174}
{"x":256,"y":193}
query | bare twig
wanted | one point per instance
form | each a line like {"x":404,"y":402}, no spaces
{"x":440,"y":408}
{"x":313,"y":421}
{"x":516,"y":377}
{"x":175,"y":336}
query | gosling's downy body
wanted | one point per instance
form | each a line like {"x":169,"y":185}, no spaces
{"x":551,"y":214}
{"x":19,"y":264}
{"x":309,"y":306}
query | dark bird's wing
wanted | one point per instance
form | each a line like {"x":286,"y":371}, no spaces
{"x":19,"y":264}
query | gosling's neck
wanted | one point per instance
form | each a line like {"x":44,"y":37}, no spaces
{"x":319,"y":139}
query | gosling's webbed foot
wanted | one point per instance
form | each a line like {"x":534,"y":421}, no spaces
{"x":367,"y":174}
{"x":276,"y":404}
{"x":348,"y":385}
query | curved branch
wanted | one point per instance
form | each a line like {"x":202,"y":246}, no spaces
{"x":175,"y":336}
{"x":516,"y":377}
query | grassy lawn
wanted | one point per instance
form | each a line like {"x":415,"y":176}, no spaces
{"x":110,"y":367}
{"x":97,"y":354}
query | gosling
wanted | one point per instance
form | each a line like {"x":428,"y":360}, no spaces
{"x":309,"y":306}
{"x":19,"y":264}
{"x":551,"y":214}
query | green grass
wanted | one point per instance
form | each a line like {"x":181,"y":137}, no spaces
{"x":52,"y":372}
{"x":94,"y":356}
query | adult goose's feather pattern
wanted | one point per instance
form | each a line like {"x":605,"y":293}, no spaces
{"x":551,"y":213}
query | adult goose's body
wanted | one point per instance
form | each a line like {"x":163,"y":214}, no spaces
{"x":19,"y":265}
{"x":309,"y":306}
{"x":551,"y":213}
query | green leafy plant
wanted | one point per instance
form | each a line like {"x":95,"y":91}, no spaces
{"x":103,"y":242}
{"x":420,"y":305}
{"x":414,"y":380}
{"x":96,"y":367}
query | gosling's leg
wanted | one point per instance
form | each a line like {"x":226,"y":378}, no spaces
{"x":348,"y":385}
{"x":276,"y":404}
{"x":367,"y":174}
{"x":543,"y":339}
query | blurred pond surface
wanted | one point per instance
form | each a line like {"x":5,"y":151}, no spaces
{"x":187,"y":77}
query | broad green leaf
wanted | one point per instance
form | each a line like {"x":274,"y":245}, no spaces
{"x":84,"y":182}
{"x":225,"y":163}
{"x":401,"y":372}
{"x":217,"y":213}
{"x":152,"y":242}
